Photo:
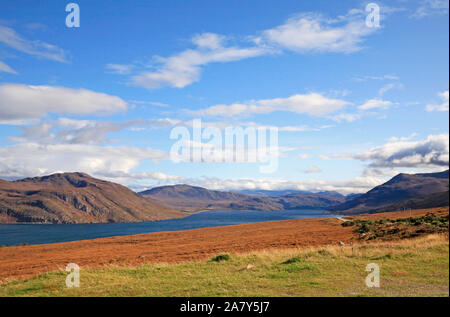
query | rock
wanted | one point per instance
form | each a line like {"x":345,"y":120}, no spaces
{"x":249,"y":267}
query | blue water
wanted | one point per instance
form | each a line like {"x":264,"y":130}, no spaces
{"x":15,"y":234}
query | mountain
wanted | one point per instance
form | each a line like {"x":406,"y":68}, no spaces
{"x":277,"y":193}
{"x":75,"y":198}
{"x":271,"y":193}
{"x":427,"y":201}
{"x":407,"y":189}
{"x":352,"y":196}
{"x":191,"y":198}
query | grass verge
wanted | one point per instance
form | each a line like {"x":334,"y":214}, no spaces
{"x":410,"y":267}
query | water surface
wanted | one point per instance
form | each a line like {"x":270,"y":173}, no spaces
{"x":16,"y":234}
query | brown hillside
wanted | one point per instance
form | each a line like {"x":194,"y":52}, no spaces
{"x":75,"y":198}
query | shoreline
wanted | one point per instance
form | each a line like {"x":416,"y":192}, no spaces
{"x":19,"y":262}
{"x":105,"y":230}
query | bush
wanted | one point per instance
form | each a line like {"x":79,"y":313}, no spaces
{"x":221,"y":257}
{"x":292,"y":260}
{"x":364,"y":228}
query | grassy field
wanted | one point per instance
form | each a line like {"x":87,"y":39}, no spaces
{"x":412,"y":267}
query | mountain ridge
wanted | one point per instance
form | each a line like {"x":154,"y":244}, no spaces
{"x":399,"y":189}
{"x":75,"y":198}
{"x":194,"y":198}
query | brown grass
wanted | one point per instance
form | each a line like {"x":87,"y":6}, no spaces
{"x":181,"y":246}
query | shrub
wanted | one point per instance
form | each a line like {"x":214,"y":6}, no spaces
{"x":292,"y":260}
{"x":221,"y":257}
{"x":364,"y":228}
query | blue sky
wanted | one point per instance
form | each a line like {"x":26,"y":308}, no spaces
{"x":354,"y":104}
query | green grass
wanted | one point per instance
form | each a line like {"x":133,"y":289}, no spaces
{"x":387,"y":229}
{"x":418,"y":267}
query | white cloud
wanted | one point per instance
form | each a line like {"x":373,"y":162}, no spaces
{"x":307,"y":33}
{"x":389,"y":87}
{"x":313,"y":33}
{"x":349,"y":117}
{"x":357,"y":185}
{"x":383,"y":77}
{"x":32,"y":159}
{"x":6,"y":69}
{"x":19,"y":101}
{"x":183,"y":69}
{"x":312,"y":104}
{"x":134,"y":179}
{"x":343,"y":156}
{"x":375,"y":103}
{"x":433,"y":151}
{"x":443,"y":106}
{"x":151,"y":103}
{"x":70,"y":131}
{"x":431,"y":7}
{"x":405,"y":138}
{"x":304,"y":156}
{"x":119,"y":69}
{"x":312,"y":169}
{"x":40,"y":49}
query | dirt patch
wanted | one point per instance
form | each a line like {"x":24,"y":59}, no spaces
{"x":175,"y":247}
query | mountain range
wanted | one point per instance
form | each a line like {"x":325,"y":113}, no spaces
{"x":191,"y":198}
{"x":80,"y":198}
{"x":75,"y":198}
{"x":424,"y":190}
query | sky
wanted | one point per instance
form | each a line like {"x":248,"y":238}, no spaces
{"x":356,"y":97}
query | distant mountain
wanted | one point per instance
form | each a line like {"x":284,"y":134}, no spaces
{"x":408,"y":189}
{"x":75,"y":198}
{"x":330,"y":193}
{"x":191,"y":198}
{"x":352,"y":196}
{"x":271,"y":193}
{"x":277,"y":193}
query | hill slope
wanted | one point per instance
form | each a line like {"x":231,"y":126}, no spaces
{"x":75,"y":198}
{"x":192,"y":198}
{"x":418,"y":190}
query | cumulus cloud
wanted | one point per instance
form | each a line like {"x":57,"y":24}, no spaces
{"x":185,"y":68}
{"x":6,"y":69}
{"x":19,"y":101}
{"x":94,"y":132}
{"x":357,"y":185}
{"x":443,"y":106}
{"x":12,"y":39}
{"x":306,"y":33}
{"x":70,"y":131}
{"x":433,"y":151}
{"x":375,"y":103}
{"x":312,"y":104}
{"x":31,"y":159}
{"x":134,"y":179}
{"x":314,"y":33}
